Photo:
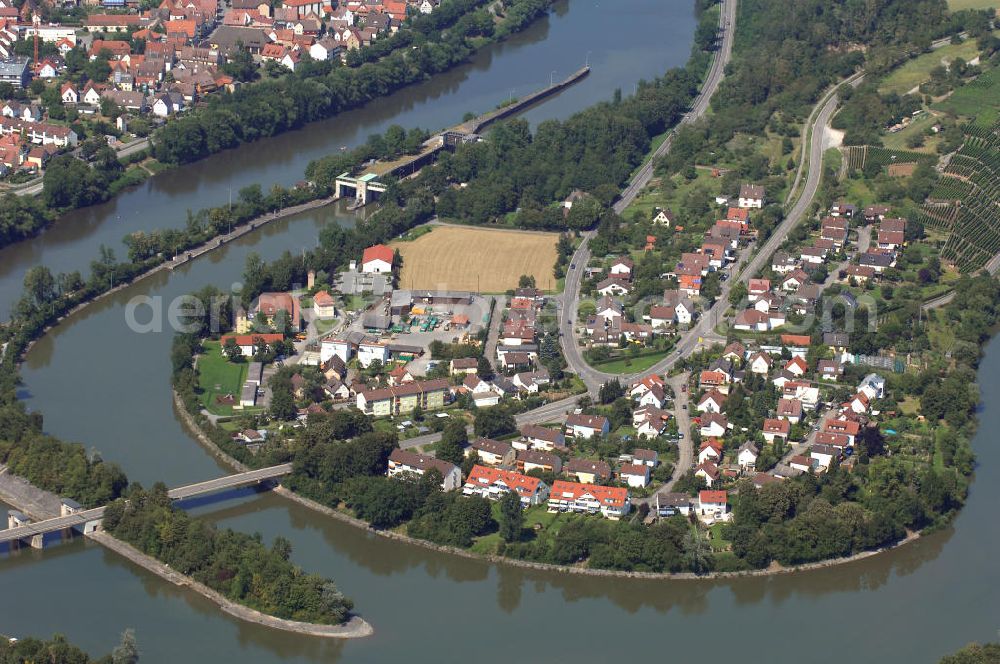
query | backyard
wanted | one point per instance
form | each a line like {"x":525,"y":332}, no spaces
{"x":220,"y":380}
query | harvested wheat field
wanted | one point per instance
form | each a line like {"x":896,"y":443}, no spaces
{"x":477,"y":259}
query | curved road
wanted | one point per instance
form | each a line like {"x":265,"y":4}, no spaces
{"x":574,"y":276}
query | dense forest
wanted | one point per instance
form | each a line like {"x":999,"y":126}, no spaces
{"x":237,"y":565}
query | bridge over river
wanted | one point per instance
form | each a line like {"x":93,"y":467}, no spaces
{"x":22,"y":529}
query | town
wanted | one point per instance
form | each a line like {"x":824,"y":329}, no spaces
{"x":114,"y":71}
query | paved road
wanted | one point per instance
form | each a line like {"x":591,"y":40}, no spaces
{"x":493,"y":336}
{"x":685,"y":446}
{"x":574,"y":358}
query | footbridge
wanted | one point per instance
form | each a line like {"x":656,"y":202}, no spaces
{"x":22,"y":529}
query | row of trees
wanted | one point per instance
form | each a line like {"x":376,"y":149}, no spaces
{"x":237,"y":565}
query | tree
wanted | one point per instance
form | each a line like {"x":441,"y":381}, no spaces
{"x":737,"y":293}
{"x":494,"y":422}
{"x":526,"y":281}
{"x":511,"y":518}
{"x":232,"y":350}
{"x":40,"y":284}
{"x":283,"y":404}
{"x":127,"y":652}
{"x":453,"y":441}
{"x":484,"y":369}
{"x":611,"y":391}
{"x":697,"y":553}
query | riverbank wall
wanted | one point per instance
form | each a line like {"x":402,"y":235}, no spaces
{"x":354,"y":628}
{"x":200,"y":250}
{"x":772,"y":570}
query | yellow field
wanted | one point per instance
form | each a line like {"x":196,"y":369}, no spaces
{"x":477,"y":259}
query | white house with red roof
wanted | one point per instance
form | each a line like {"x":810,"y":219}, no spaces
{"x":635,"y":475}
{"x":711,"y":450}
{"x":377,"y":259}
{"x":494,"y":484}
{"x":711,"y":402}
{"x":713,"y":506}
{"x":796,"y":366}
{"x":610,"y":502}
{"x":775,"y":428}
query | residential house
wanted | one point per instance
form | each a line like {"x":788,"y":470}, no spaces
{"x":610,"y":502}
{"x":650,"y":422}
{"x":248,"y":342}
{"x":757,"y":288}
{"x":491,"y":452}
{"x":824,"y":455}
{"x":588,"y":470}
{"x":403,"y":463}
{"x":494,"y":484}
{"x":622,"y":268}
{"x":829,"y":369}
{"x":751,"y":196}
{"x":712,"y":401}
{"x":543,"y":438}
{"x":324,"y":306}
{"x":377,"y":259}
{"x":579,"y":425}
{"x":760,"y":363}
{"x":708,"y":471}
{"x":747,"y":455}
{"x":796,"y":366}
{"x":464,"y":365}
{"x":789,"y":409}
{"x":776,"y":428}
{"x":713,"y":505}
{"x":711,"y":450}
{"x":873,"y":385}
{"x":529,"y":460}
{"x":635,"y":475}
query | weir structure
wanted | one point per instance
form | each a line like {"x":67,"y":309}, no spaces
{"x":366,"y":187}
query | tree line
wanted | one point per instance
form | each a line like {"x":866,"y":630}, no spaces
{"x":235,"y":564}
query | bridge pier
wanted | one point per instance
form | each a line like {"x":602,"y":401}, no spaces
{"x":38,"y":541}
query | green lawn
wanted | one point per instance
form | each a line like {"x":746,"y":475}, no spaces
{"x":217,"y":376}
{"x":918,"y":70}
{"x":978,"y":99}
{"x":923,"y":122}
{"x":958,"y":5}
{"x":631,"y":364}
{"x":715,"y":538}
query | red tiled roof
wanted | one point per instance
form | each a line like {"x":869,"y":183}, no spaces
{"x":379,"y":252}
{"x":709,"y":496}
{"x":523,"y":485}
{"x":606,"y":495}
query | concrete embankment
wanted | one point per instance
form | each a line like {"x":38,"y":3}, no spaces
{"x":354,"y":628}
{"x":209,"y":245}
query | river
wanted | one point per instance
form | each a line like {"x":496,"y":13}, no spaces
{"x":624,"y":40}
{"x":101,"y":384}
